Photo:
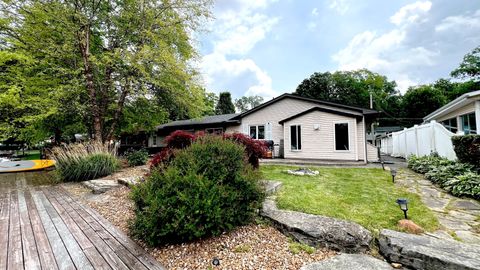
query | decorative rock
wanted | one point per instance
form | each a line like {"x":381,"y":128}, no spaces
{"x":302,"y":172}
{"x":349,"y":262}
{"x":410,"y":226}
{"x":271,"y":186}
{"x":397,"y":265}
{"x":130,"y":181}
{"x":100,"y":185}
{"x":425,"y":252}
{"x":321,"y":231}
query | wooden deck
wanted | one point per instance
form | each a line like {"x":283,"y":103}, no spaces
{"x":43,"y":227}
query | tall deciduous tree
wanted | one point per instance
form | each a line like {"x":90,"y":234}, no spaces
{"x":469,"y":68}
{"x":224,"y":105}
{"x":419,"y":101}
{"x":114,"y":51}
{"x":246,"y":103}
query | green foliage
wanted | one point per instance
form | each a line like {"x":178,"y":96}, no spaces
{"x":210,"y":99}
{"x":470,"y":66}
{"x":80,"y":162}
{"x":224,"y":105}
{"x":245,"y":103}
{"x":419,"y":101}
{"x":458,"y":178}
{"x":467,"y":184}
{"x":207,"y":189}
{"x":109,"y":53}
{"x":467,"y":149}
{"x":137,"y":157}
{"x":296,"y":248}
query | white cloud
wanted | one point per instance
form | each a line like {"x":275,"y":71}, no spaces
{"x":460,"y":22}
{"x":411,"y":13}
{"x":311,"y":25}
{"x":340,"y":6}
{"x":315,"y":12}
{"x":391,"y":53}
{"x":238,"y":28}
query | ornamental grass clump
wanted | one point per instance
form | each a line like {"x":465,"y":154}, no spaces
{"x":207,"y":188}
{"x":80,"y":162}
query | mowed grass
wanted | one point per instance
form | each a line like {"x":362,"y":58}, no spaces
{"x":363,"y":195}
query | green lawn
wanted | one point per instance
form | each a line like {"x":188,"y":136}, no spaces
{"x":364,"y":195}
{"x":30,"y":155}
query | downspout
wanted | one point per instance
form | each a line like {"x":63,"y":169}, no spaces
{"x":364,"y":140}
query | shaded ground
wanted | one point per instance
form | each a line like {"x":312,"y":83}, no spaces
{"x":459,"y":217}
{"x":43,"y":227}
{"x":256,"y":246}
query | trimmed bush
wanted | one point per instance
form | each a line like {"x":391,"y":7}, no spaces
{"x":207,"y":189}
{"x":80,"y":162}
{"x":467,"y":149}
{"x":137,"y":157}
{"x":254,"y":149}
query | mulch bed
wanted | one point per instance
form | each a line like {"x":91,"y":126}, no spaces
{"x":255,"y":246}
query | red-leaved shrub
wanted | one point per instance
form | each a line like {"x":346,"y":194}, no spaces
{"x":254,"y":149}
{"x":179,"y":139}
{"x":161,"y":158}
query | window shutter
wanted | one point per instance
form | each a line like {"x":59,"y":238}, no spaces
{"x":268,"y":131}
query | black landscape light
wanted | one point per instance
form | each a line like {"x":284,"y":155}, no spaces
{"x":394,"y":173}
{"x":403,"y":203}
{"x":383,"y":165}
{"x":216,"y":262}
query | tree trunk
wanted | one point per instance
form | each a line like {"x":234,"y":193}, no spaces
{"x":84,"y":44}
{"x":119,"y":110}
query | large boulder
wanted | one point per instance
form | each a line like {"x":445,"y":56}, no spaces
{"x":320,"y":231}
{"x":349,"y":262}
{"x":427,"y":252}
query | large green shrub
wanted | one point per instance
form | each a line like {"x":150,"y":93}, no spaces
{"x":137,"y":157}
{"x":208,"y":188}
{"x":467,"y":149}
{"x":80,"y":162}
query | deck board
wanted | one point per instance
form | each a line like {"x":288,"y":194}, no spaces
{"x":44,"y":227}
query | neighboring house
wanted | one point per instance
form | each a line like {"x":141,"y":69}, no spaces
{"x":462,"y":115}
{"x":299,"y":127}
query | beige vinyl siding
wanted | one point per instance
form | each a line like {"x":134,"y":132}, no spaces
{"x":460,"y":111}
{"x":372,"y":152}
{"x":320,"y":144}
{"x":360,"y":141}
{"x":234,"y":129}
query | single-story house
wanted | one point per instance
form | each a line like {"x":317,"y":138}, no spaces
{"x":461,"y":115}
{"x":300,"y":128}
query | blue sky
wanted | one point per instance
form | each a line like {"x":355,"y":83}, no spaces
{"x":267,"y":47}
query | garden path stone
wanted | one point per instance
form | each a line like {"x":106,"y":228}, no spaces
{"x":129,"y":181}
{"x":454,"y":214}
{"x":349,"y":262}
{"x":271,"y":186}
{"x":315,"y":230}
{"x":100,"y":185}
{"x":426,"y":252}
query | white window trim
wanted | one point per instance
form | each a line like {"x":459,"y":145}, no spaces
{"x":256,"y":131}
{"x":335,"y":137}
{"x":290,"y":137}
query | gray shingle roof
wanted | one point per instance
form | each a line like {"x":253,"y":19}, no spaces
{"x":214,"y":119}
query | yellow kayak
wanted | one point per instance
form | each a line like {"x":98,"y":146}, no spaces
{"x":25,"y":165}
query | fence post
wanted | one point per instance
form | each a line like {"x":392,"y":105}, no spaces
{"x":415,"y":128}
{"x":405,"y":137}
{"x":434,"y":143}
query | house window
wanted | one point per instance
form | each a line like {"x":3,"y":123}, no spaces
{"x":154,"y":140}
{"x":296,"y":137}
{"x":451,"y":124}
{"x":257,"y":132}
{"x":341,"y":137}
{"x":216,"y":131}
{"x":468,"y":123}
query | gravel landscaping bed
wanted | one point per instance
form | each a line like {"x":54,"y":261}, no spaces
{"x":256,"y":246}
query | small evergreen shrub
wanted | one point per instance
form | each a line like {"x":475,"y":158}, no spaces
{"x":467,"y":148}
{"x":137,"y":157}
{"x":80,"y":162}
{"x":254,"y":149}
{"x":207,"y":189}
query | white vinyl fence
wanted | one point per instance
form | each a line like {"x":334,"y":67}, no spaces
{"x":420,"y":140}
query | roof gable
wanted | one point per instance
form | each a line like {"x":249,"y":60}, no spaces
{"x":321,"y":109}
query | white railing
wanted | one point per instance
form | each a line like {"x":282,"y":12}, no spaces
{"x":420,"y":140}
